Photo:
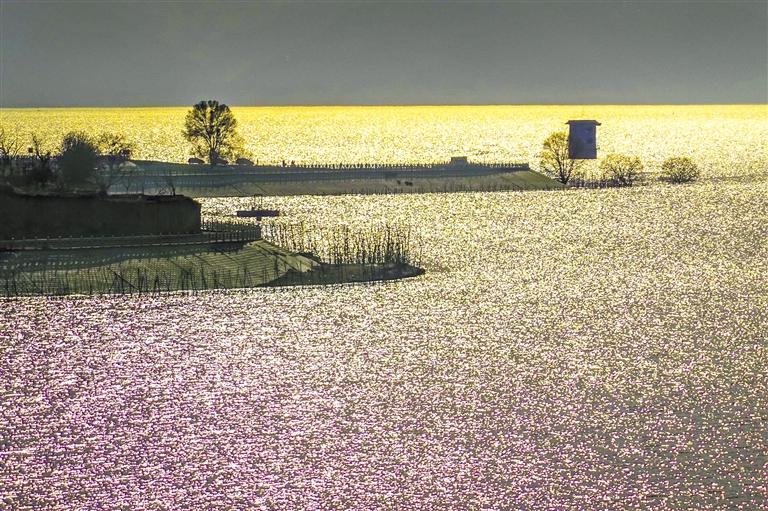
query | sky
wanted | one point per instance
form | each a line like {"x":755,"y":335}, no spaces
{"x":136,"y":53}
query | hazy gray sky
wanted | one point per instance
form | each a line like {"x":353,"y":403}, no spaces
{"x":274,"y":53}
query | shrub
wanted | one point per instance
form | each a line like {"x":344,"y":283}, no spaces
{"x":77,"y":161}
{"x":679,"y":169}
{"x":622,"y":169}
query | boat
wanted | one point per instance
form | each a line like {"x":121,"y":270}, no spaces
{"x":257,"y":211}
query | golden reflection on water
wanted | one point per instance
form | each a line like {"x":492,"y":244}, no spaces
{"x":725,"y":139}
{"x":585,"y":349}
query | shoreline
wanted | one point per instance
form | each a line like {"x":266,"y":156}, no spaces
{"x":156,"y":269}
{"x":202,"y":180}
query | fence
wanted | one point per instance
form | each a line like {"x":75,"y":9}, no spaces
{"x":179,"y":266}
{"x":218,"y":231}
{"x":166,"y":170}
{"x":211,"y":232}
{"x":109,"y":280}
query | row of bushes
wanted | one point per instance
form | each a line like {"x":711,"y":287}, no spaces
{"x":78,"y":160}
{"x":616,"y":169}
{"x":625,"y":170}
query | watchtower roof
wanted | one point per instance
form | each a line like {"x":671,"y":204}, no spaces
{"x":585,"y":121}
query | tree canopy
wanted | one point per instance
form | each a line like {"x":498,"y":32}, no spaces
{"x":211,"y":127}
{"x":622,"y":169}
{"x":555,"y":160}
{"x":679,"y":169}
{"x":78,"y":158}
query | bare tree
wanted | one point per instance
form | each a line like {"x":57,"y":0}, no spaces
{"x":114,"y":152}
{"x":42,"y":170}
{"x":10,"y":148}
{"x":555,"y":160}
{"x":169,"y":182}
{"x":164,"y":181}
{"x":211,"y":127}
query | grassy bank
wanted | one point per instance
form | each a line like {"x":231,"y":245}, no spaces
{"x":147,"y":269}
{"x":203,"y":181}
{"x":516,"y":181}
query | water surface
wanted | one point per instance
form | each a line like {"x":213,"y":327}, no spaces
{"x":600,"y":349}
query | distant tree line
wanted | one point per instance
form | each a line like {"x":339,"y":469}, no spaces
{"x":79,"y":161}
{"x":613,"y":170}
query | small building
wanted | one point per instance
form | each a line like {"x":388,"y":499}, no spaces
{"x":458,"y":161}
{"x":582,"y":139}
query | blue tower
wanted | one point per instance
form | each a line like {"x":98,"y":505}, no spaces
{"x":582,"y":139}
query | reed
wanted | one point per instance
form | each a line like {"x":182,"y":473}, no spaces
{"x":220,"y":266}
{"x":339,"y":244}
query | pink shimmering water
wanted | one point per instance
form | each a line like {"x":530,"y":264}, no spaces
{"x":598,"y":349}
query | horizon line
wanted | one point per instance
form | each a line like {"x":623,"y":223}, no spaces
{"x":393,"y":105}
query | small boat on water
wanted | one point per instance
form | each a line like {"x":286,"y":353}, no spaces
{"x":258,"y":211}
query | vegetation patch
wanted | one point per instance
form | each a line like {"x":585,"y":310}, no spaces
{"x":144,"y":268}
{"x":679,"y":169}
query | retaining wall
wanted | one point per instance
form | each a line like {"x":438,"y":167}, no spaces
{"x":48,"y":215}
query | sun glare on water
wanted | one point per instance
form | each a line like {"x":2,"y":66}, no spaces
{"x":578,"y":349}
{"x":727,"y":140}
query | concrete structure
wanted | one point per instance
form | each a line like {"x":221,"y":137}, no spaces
{"x":59,"y":215}
{"x":582,"y":139}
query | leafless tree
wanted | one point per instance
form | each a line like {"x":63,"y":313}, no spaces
{"x":166,"y":183}
{"x":42,"y":169}
{"x":10,"y":146}
{"x":114,"y":152}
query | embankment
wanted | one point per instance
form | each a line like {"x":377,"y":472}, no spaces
{"x":232,"y":181}
{"x":150,"y":269}
{"x":43,"y":215}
